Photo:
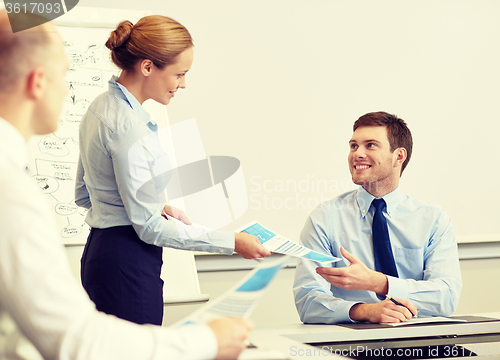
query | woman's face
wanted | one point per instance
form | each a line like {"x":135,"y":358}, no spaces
{"x":164,"y":83}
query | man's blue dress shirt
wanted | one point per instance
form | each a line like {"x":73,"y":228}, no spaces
{"x":422,"y":240}
{"x":123,"y":170}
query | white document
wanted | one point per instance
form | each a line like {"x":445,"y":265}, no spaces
{"x":426,"y":320}
{"x":281,"y":245}
{"x":240,"y":300}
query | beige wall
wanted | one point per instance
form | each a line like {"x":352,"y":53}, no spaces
{"x":279,"y":83}
{"x":481,"y":292}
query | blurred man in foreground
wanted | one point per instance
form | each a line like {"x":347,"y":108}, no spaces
{"x":43,"y":310}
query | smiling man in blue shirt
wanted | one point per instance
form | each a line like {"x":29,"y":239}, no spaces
{"x":424,"y":248}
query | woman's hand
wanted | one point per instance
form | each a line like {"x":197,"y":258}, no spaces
{"x":175,"y":213}
{"x":249,"y":246}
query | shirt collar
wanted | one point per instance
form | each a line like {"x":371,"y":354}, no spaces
{"x":364,"y":199}
{"x":13,"y":145}
{"x":122,"y":93}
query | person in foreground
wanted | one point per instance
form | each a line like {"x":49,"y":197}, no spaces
{"x":122,"y":260}
{"x":44,"y":312}
{"x":391,"y":245}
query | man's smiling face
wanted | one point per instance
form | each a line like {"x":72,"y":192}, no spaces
{"x":371,"y":161}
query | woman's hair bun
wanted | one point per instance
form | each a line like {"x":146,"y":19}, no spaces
{"x":157,"y":38}
{"x":119,"y":36}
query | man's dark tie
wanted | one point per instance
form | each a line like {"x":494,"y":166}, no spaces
{"x":384,"y":259}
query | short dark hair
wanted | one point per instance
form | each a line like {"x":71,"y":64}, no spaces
{"x":398,"y":134}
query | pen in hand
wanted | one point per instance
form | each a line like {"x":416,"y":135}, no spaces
{"x":398,"y":303}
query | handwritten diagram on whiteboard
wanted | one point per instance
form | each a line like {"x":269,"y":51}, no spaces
{"x":54,"y":157}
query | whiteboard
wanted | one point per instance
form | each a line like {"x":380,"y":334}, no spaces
{"x":53,"y":158}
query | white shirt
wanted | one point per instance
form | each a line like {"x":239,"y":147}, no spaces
{"x":44,"y":312}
